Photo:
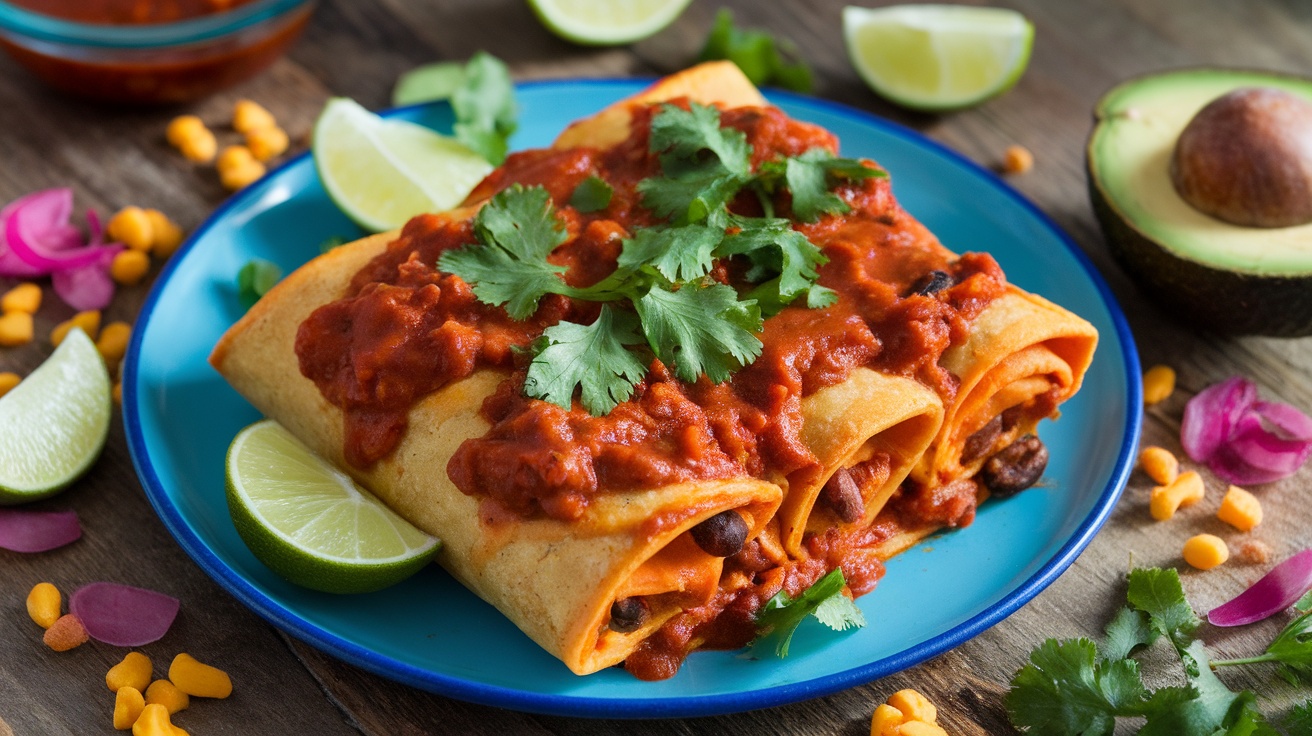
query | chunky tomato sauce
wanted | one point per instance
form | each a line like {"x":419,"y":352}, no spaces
{"x":405,"y":329}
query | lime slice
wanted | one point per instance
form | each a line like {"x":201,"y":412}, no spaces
{"x":383,"y":172}
{"x":606,"y":22}
{"x":53,"y":424}
{"x":310,"y":522}
{"x":938,"y":57}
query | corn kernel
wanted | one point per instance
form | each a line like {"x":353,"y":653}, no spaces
{"x":132,"y":227}
{"x":129,"y":267}
{"x":241,"y":176}
{"x":920,"y":728}
{"x":196,"y":678}
{"x":914,"y":706}
{"x":1185,"y":490}
{"x":267,"y":143}
{"x":113,"y":342}
{"x":182,"y":128}
{"x":89,"y":321}
{"x":200,"y":147}
{"x":248,"y":115}
{"x":1159,"y":464}
{"x":1158,"y":384}
{"x":1017,"y":160}
{"x":128,"y":705}
{"x":65,"y":633}
{"x":1205,"y":551}
{"x":168,"y":236}
{"x":1240,"y":509}
{"x":886,"y":721}
{"x":8,"y":381}
{"x":25,"y":297}
{"x":133,"y":672}
{"x":153,"y":721}
{"x":44,"y":604}
{"x":233,"y":157}
{"x":16,"y":328}
{"x":168,"y":695}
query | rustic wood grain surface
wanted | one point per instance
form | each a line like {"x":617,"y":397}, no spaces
{"x":114,"y":157}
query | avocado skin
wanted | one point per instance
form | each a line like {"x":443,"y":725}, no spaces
{"x":1199,"y":295}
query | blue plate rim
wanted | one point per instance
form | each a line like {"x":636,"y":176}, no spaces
{"x":674,"y":707}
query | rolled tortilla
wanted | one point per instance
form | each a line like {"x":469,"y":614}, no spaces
{"x":1023,"y":353}
{"x":850,"y":423}
{"x":555,"y":580}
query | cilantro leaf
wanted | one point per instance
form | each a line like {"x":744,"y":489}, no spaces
{"x":700,"y":329}
{"x":779,"y":618}
{"x":1065,"y":691}
{"x":772,"y":245}
{"x":678,"y":253}
{"x":592,"y":357}
{"x":691,"y":197}
{"x":1159,"y":594}
{"x":485,"y":108}
{"x":762,"y":58}
{"x":810,"y":176}
{"x":1292,"y":648}
{"x":1299,"y":720}
{"x":428,"y":83}
{"x":254,"y":280}
{"x":517,"y":229}
{"x":1213,"y":707}
{"x":1130,"y":630}
{"x":591,"y":195}
{"x":682,"y":137}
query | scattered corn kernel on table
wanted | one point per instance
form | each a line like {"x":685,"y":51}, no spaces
{"x":115,"y":157}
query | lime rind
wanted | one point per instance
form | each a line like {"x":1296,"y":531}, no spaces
{"x":313,"y":524}
{"x":607,"y":22}
{"x":937,"y":58}
{"x":54,"y":424}
{"x":382,"y":172}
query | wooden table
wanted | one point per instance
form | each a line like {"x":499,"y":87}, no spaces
{"x":357,"y":48}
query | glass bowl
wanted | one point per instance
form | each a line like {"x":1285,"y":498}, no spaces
{"x":152,"y":63}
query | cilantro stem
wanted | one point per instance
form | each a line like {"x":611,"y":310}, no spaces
{"x":1244,"y":660}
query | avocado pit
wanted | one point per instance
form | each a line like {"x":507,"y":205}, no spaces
{"x":1246,"y":158}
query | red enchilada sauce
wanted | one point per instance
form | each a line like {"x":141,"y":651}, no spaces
{"x":405,"y":329}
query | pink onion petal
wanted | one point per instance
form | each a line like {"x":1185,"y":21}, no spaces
{"x":10,"y":263}
{"x":122,"y":615}
{"x":1210,"y":416}
{"x":37,"y":531}
{"x":1285,"y":420}
{"x":89,"y":286}
{"x":1276,"y":591}
{"x":25,"y":239}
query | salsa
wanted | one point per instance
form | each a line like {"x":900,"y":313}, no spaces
{"x":405,"y":329}
{"x":158,"y":73}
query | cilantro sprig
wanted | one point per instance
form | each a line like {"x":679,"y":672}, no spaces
{"x":661,"y":300}
{"x":482,"y":97}
{"x":779,"y":618}
{"x":1079,"y":688}
{"x":763,"y":58}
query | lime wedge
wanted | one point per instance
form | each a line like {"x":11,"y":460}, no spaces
{"x":310,"y":522}
{"x":383,"y":172}
{"x":606,"y":22}
{"x":938,"y":57}
{"x":53,"y":424}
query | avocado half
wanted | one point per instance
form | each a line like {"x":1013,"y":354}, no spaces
{"x":1207,"y":272}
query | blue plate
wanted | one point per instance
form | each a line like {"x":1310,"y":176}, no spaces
{"x":431,"y":633}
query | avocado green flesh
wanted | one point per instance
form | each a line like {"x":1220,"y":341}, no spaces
{"x":1129,"y":160}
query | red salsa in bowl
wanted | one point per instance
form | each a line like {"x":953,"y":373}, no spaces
{"x":148,"y":51}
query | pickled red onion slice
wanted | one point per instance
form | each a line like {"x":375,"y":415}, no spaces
{"x":122,"y":615}
{"x":38,"y":232}
{"x":37,"y":531}
{"x":1276,"y":591}
{"x":1244,"y":440}
{"x":89,"y":286}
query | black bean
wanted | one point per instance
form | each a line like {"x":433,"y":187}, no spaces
{"x":628,"y":614}
{"x":1016,"y":467}
{"x":843,"y":496}
{"x":981,"y":442}
{"x":722,"y":535}
{"x":931,"y":282}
